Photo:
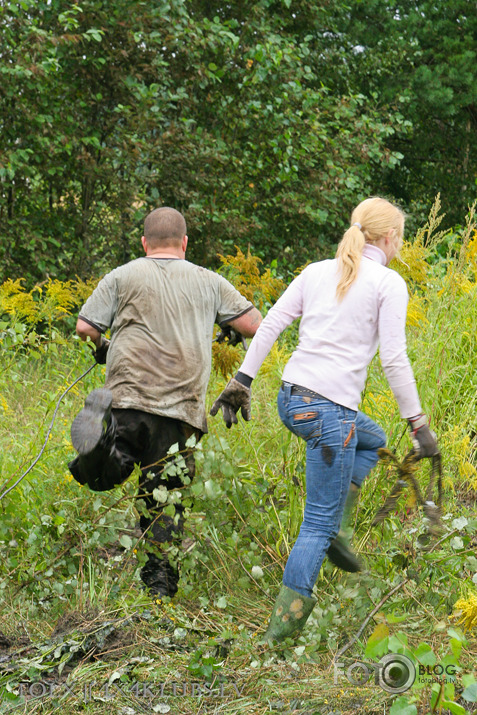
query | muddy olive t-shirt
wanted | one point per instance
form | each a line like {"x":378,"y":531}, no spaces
{"x":161,"y":312}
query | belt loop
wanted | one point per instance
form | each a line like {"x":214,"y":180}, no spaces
{"x":287,"y":388}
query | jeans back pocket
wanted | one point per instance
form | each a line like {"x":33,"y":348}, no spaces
{"x":307,"y":424}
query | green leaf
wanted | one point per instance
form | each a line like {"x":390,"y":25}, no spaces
{"x":398,"y":643}
{"x":456,"y":633}
{"x":456,"y":647}
{"x":160,"y":494}
{"x":10,"y":697}
{"x":471,"y":563}
{"x":227,"y":469}
{"x":402,"y":706}
{"x":470,"y":693}
{"x":453,"y":707}
{"x":377,"y":644}
{"x":424,"y":654}
{"x":459,"y":523}
{"x":393,"y":618}
{"x":212,"y":489}
{"x":126,"y":542}
{"x":191,"y":441}
{"x":221,"y":602}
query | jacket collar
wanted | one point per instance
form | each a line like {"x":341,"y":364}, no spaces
{"x":375,"y":254}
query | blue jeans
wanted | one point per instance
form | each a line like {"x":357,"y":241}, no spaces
{"x":370,"y":438}
{"x":333,"y":456}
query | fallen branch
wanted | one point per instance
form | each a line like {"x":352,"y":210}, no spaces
{"x":368,"y":618}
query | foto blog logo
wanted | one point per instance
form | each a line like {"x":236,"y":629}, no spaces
{"x":394,"y":673}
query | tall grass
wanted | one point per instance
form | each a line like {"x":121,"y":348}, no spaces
{"x":66,"y":549}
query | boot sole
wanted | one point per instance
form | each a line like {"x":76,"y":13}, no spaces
{"x":90,"y":425}
{"x":342,"y":557}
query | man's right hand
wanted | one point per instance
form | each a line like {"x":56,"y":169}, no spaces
{"x":235,"y":397}
{"x":229,"y":336}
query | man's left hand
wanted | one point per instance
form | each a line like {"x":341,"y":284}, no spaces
{"x":100,"y":353}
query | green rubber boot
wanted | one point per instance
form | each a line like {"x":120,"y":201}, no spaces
{"x":339,"y":551}
{"x":289,"y":615}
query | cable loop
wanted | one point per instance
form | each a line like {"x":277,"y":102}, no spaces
{"x":48,"y":433}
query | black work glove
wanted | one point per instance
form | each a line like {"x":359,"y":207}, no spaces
{"x":233,"y":337}
{"x":235,"y":397}
{"x":100,"y":353}
{"x":423,"y":439}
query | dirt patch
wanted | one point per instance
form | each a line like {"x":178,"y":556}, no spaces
{"x":4,"y":641}
{"x":76,"y":620}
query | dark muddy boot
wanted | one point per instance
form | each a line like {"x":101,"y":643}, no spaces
{"x":160,"y":577}
{"x":289,"y":615}
{"x":91,"y":425}
{"x":341,"y":554}
{"x":93,"y":435}
{"x":339,"y":551}
{"x":158,"y":574}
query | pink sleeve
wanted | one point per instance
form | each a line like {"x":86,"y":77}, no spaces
{"x":287,"y":308}
{"x":392,"y":346}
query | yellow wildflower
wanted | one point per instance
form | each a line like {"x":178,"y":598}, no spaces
{"x":465,"y":609}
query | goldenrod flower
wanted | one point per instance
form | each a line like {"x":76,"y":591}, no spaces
{"x":465,"y":609}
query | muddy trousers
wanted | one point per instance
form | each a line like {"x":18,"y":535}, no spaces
{"x":142,"y":438}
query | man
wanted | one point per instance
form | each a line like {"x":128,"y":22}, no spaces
{"x":161,"y":310}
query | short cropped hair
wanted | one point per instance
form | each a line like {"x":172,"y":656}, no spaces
{"x":164,"y":227}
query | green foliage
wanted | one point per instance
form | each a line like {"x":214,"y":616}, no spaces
{"x":416,"y":60}
{"x":203,"y":665}
{"x":66,"y":550}
{"x":232,"y":117}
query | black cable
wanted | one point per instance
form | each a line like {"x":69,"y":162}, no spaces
{"x":49,"y":431}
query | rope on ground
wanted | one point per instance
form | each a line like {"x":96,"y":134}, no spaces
{"x":49,"y":431}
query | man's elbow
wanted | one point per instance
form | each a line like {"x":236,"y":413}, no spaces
{"x":254,"y":324}
{"x":81,"y":329}
{"x":84,"y":330}
{"x":248,"y":324}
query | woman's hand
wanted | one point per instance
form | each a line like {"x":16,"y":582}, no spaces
{"x":423,"y":439}
{"x":235,"y":397}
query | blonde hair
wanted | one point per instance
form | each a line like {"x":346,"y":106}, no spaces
{"x":371,"y":220}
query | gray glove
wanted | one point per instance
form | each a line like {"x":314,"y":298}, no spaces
{"x":235,"y":397}
{"x":423,"y":439}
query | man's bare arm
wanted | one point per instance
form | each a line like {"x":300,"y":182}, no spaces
{"x":247,"y":324}
{"x":85,"y":330}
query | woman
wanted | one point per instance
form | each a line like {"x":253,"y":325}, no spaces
{"x":348,"y":305}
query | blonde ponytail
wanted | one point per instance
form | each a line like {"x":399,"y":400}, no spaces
{"x":349,"y":254}
{"x":372,"y":219}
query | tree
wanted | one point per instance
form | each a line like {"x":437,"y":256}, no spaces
{"x":224,"y":111}
{"x":418,"y":57}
